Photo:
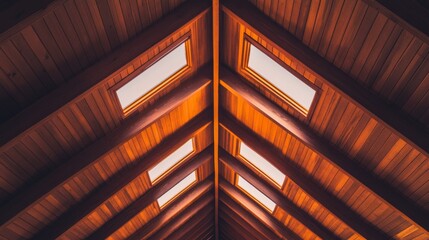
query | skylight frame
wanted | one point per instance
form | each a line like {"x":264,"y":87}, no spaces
{"x":174,"y":166}
{"x":256,"y":168}
{"x":246,"y":70}
{"x":180,"y":192}
{"x":186,"y":39}
{"x":259,"y":201}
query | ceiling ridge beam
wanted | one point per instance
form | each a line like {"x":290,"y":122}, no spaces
{"x":390,"y":116}
{"x":187,"y":216}
{"x":39,"y":112}
{"x":180,"y":205}
{"x":277,"y":197}
{"x":143,"y":201}
{"x":384,"y":191}
{"x":33,"y":193}
{"x":243,"y":205}
{"x":306,"y":183}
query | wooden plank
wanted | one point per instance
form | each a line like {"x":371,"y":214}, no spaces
{"x":391,"y":116}
{"x":75,"y":88}
{"x":409,"y":14}
{"x":138,"y":205}
{"x":193,"y":227}
{"x":251,"y":211}
{"x":94,"y":152}
{"x":215,"y":41}
{"x":276,"y":196}
{"x":377,"y":186}
{"x":306,"y":183}
{"x":192,"y":213}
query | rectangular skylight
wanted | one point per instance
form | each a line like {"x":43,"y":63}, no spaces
{"x":299,"y":92}
{"x":262,"y":164}
{"x":153,"y":76}
{"x":171,"y":160}
{"x":177,"y":189}
{"x":256,"y":194}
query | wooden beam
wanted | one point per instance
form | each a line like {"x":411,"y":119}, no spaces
{"x":409,"y":14}
{"x":296,"y":174}
{"x":276,"y":196}
{"x":72,"y":91}
{"x":188,"y":217}
{"x":182,"y":204}
{"x":196,"y":231}
{"x":215,"y":15}
{"x":242,"y":225}
{"x":301,"y":131}
{"x":150,"y":196}
{"x":250,"y":210}
{"x":94,"y":152}
{"x":388,"y":115}
{"x":239,"y":230}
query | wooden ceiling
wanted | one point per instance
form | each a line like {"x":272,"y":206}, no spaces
{"x":72,"y":166}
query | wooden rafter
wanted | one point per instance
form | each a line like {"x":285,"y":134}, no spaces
{"x":392,"y":118}
{"x":259,"y":216}
{"x":386,"y":193}
{"x":35,"y":115}
{"x":276,"y":196}
{"x":94,"y":152}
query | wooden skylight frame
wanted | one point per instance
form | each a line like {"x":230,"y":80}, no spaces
{"x":192,"y":178}
{"x":126,"y":111}
{"x":254,"y":196}
{"x":249,"y":72}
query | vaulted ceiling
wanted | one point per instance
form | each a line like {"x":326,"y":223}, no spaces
{"x":74,"y":164}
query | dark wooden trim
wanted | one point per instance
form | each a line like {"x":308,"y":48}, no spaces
{"x":250,"y":210}
{"x":193,"y":231}
{"x":409,"y":14}
{"x":36,"y":114}
{"x":276,"y":196}
{"x":182,"y":204}
{"x":151,"y":195}
{"x":187,"y":216}
{"x":372,"y":183}
{"x":306,"y":183}
{"x":390,"y":116}
{"x":38,"y":190}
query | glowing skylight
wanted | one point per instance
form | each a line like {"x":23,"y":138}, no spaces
{"x":171,"y":161}
{"x":262,"y":164}
{"x":153,"y":76}
{"x":256,"y":194}
{"x":177,"y":189}
{"x":280,"y":78}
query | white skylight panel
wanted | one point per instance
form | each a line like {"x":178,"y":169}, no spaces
{"x":160,"y":71}
{"x":262,"y":164}
{"x":256,"y":194}
{"x":177,"y":189}
{"x":171,"y":160}
{"x":280,"y":78}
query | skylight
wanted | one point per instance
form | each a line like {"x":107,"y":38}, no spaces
{"x":171,"y":160}
{"x":300,"y":94}
{"x":256,"y":194}
{"x":177,"y":189}
{"x":150,"y":78}
{"x":262,"y":164}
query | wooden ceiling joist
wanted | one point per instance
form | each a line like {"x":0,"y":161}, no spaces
{"x":93,"y":153}
{"x":195,"y":231}
{"x":170,"y":211}
{"x":392,"y":118}
{"x":306,"y":183}
{"x":117,"y":182}
{"x":227,"y":196}
{"x":188,"y":217}
{"x":152,"y":194}
{"x":389,"y":195}
{"x":277,"y":197}
{"x":36,"y":114}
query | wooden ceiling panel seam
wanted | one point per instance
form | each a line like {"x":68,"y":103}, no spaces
{"x":393,"y":118}
{"x":93,"y":153}
{"x":384,"y":191}
{"x":91,"y":77}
